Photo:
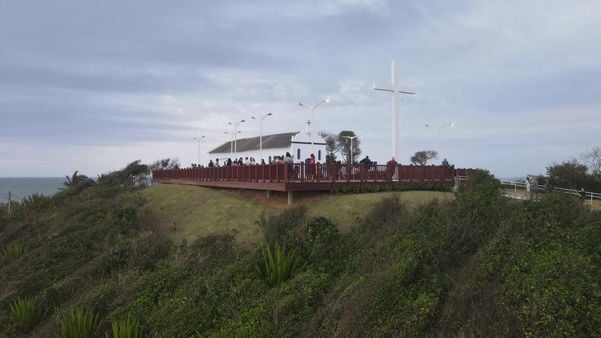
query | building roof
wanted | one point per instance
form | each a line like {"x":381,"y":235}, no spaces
{"x":248,"y":144}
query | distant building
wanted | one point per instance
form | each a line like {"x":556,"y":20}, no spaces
{"x":300,"y":145}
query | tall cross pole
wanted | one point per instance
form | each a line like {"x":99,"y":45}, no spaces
{"x":395,"y":89}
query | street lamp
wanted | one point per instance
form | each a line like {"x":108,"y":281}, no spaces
{"x":438,"y":128}
{"x":232,"y":140}
{"x":198,"y":139}
{"x":351,"y":138}
{"x":235,"y":132}
{"x":324,"y":100}
{"x":261,"y":133}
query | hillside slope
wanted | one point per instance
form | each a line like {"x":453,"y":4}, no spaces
{"x":473,"y":265}
{"x":192,"y":212}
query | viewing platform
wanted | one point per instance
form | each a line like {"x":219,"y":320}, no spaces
{"x":301,"y":177}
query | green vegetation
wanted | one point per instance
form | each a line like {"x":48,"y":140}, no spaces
{"x":26,"y":311}
{"x":469,"y":264}
{"x":128,"y":328}
{"x":193,"y":212}
{"x":12,"y":252}
{"x":278,"y":264}
{"x":78,"y":323}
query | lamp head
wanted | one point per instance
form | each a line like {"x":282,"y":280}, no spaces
{"x":242,"y":121}
{"x":269,"y":114}
{"x":252,"y":117}
{"x":326,"y":99}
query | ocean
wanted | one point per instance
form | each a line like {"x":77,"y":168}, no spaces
{"x":21,"y":187}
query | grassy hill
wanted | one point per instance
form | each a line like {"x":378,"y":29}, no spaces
{"x":386,"y":264}
{"x":194,"y":212}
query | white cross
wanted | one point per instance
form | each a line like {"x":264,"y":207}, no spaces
{"x":396,"y":124}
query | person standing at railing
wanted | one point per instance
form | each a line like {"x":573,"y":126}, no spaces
{"x":310,"y":167}
{"x":528,"y":187}
{"x":289,"y":161}
{"x":533,"y":187}
{"x":582,"y":193}
{"x":391,"y":168}
{"x":365,"y":165}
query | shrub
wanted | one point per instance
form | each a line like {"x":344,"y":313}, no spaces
{"x":36,"y":202}
{"x":282,"y":228}
{"x":322,"y":236}
{"x":78,"y":323}
{"x":12,"y":252}
{"x":278,"y":264}
{"x":26,"y":311}
{"x":128,"y":328}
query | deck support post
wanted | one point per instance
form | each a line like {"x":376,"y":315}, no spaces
{"x":268,"y":193}
{"x":290,"y":198}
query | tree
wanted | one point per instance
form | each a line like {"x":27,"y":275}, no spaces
{"x":134,"y":175}
{"x":77,"y":180}
{"x":593,"y":159}
{"x":166,"y":163}
{"x":344,"y":145}
{"x":331,"y":146}
{"x":422,"y":157}
{"x":569,"y":174}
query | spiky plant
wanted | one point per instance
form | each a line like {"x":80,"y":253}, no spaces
{"x":279,"y":264}
{"x":12,"y":252}
{"x":78,"y":323}
{"x":26,"y":312}
{"x":128,"y":328}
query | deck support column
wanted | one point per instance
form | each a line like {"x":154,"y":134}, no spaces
{"x":268,"y":193}
{"x":290,"y":198}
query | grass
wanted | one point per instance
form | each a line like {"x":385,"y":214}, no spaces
{"x":128,"y":328}
{"x":26,"y":312}
{"x":198,"y":211}
{"x":78,"y":323}
{"x":279,"y":264}
{"x":346,"y":210}
{"x":194,"y":212}
{"x":13,"y":252}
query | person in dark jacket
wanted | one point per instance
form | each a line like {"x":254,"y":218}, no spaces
{"x":391,"y":168}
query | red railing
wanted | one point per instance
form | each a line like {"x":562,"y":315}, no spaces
{"x":299,"y":172}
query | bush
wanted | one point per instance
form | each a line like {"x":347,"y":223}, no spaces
{"x":128,"y":328}
{"x":322,"y":237}
{"x":27,"y":312}
{"x":13,"y":252}
{"x":78,"y":323}
{"x":283,"y":228}
{"x":278,"y":264}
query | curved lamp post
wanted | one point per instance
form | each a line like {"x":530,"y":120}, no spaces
{"x":235,"y":132}
{"x":352,"y":138}
{"x":232,"y":140}
{"x":324,"y":100}
{"x":261,"y":133}
{"x":198,"y":139}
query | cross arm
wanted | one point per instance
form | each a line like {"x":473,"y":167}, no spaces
{"x":393,"y":88}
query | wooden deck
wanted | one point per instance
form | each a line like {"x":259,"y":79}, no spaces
{"x":301,"y":177}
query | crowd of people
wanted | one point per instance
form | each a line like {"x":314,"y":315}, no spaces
{"x":312,"y":167}
{"x":251,"y":161}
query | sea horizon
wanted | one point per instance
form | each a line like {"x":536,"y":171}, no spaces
{"x":21,"y":187}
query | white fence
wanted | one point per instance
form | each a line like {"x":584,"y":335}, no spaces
{"x":589,"y":195}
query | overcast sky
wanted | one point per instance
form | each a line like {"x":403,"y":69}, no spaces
{"x":93,"y":85}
